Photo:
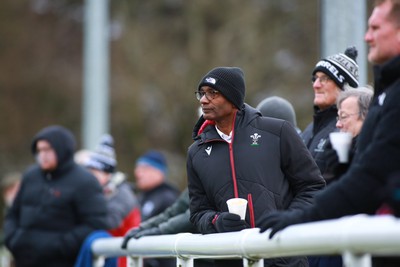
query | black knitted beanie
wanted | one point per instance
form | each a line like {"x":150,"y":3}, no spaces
{"x":229,"y":81}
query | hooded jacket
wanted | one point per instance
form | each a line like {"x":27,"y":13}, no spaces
{"x":54,"y":211}
{"x":266,"y":163}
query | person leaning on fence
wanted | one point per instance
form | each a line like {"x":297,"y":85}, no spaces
{"x":123,"y":208}
{"x":58,"y":205}
{"x":156,"y":194}
{"x":373,"y":177}
{"x":239,"y":153}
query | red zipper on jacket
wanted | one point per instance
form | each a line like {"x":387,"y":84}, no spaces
{"x":232,"y":160}
{"x":235,"y":187}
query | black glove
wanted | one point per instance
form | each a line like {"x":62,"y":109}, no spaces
{"x":146,"y":232}
{"x":278,"y":220}
{"x":229,"y":222}
{"x":130,"y":234}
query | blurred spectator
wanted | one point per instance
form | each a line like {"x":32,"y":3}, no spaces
{"x":352,"y":109}
{"x":58,"y":205}
{"x":155,"y":194}
{"x":280,"y":108}
{"x":331,"y":76}
{"x":123,"y":208}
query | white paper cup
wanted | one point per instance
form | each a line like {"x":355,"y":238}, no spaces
{"x":341,"y":142}
{"x":237,"y":206}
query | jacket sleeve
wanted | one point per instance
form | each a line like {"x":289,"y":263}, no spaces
{"x":174,"y":219}
{"x":300,"y":169}
{"x":201,"y":211}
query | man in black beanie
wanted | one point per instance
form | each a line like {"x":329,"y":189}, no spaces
{"x":238,"y":153}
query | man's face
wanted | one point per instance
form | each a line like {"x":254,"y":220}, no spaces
{"x":216,"y":109}
{"x":325,"y":91}
{"x":147,"y":177}
{"x":46,"y":156}
{"x":383,"y":35}
{"x":349,"y":119}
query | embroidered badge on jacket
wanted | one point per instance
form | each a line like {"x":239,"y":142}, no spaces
{"x":320,"y":146}
{"x":255,"y":137}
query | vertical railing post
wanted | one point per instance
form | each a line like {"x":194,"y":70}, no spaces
{"x":352,"y":260}
{"x":134,"y":261}
{"x":253,"y":263}
{"x":186,"y":262}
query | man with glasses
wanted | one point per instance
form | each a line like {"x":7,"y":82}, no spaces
{"x":237,"y":153}
{"x":330,"y":77}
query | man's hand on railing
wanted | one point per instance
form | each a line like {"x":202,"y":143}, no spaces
{"x":279,"y":220}
{"x":130,"y":234}
{"x":229,"y":222}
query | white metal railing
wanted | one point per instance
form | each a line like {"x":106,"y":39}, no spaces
{"x":356,"y":238}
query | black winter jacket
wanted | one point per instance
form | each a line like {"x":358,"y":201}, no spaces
{"x":54,"y":211}
{"x":267,"y":163}
{"x":361,"y":188}
{"x":316,"y":138}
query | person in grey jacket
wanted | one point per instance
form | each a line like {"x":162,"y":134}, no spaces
{"x":238,"y":153}
{"x":58,"y":205}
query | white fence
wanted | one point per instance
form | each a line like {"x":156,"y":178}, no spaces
{"x":356,"y":238}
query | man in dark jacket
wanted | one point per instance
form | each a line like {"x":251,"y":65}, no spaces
{"x":362,"y":188}
{"x":331,"y":76}
{"x":239,"y":153}
{"x":155,"y":193}
{"x":59,"y":203}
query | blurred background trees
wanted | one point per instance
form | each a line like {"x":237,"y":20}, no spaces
{"x":159,"y":50}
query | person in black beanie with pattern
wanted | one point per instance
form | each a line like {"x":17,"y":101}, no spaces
{"x":239,"y":153}
{"x":329,"y":77}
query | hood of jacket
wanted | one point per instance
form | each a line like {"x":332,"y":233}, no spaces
{"x":61,"y":140}
{"x":243,"y":117}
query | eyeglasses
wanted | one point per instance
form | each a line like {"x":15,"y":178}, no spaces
{"x":210,"y":95}
{"x":322,"y":79}
{"x":343,"y":117}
